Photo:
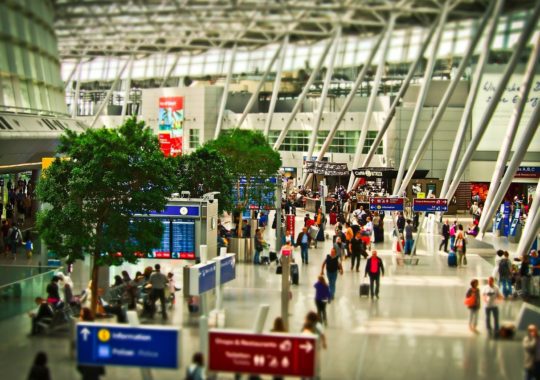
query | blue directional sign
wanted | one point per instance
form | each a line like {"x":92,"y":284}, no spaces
{"x":430,"y":205}
{"x":202,"y":278}
{"x":226,"y":268}
{"x":137,"y":346}
{"x":179,"y":211}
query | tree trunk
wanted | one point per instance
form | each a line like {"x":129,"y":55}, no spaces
{"x":95,"y":278}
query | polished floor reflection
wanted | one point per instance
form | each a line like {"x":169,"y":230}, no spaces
{"x":416,"y":330}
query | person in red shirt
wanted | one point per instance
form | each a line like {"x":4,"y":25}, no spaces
{"x":374,"y":268}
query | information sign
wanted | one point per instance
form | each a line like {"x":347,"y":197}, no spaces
{"x":290,"y":224}
{"x":137,"y":346}
{"x":386,"y":204}
{"x":272,"y":354}
{"x":226,"y":268}
{"x":202,"y":278}
{"x":179,"y":211}
{"x":430,"y":205}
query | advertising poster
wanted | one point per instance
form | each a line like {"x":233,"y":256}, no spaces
{"x":171,"y":125}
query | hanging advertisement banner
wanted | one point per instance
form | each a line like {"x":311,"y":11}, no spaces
{"x":171,"y":125}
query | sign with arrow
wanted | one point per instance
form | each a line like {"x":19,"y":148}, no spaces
{"x":271,"y":354}
{"x":137,"y":346}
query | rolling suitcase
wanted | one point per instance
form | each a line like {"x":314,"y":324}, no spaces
{"x":364,"y":290}
{"x":333,"y":218}
{"x":272,"y":256}
{"x":313,"y":232}
{"x":295,"y":275}
{"x":452,"y":259}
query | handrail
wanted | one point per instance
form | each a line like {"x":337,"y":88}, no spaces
{"x":28,"y":278}
{"x":32,"y":111}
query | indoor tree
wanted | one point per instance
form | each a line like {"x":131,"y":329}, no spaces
{"x":203,"y":171}
{"x":102,"y":178}
{"x":252,"y":161}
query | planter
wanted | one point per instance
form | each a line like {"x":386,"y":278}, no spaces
{"x":243,"y":247}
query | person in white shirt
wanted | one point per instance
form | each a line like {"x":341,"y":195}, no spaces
{"x":491,"y":294}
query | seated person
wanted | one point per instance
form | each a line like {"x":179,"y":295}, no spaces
{"x":473,"y":230}
{"x":42,"y":311}
{"x":105,"y":308}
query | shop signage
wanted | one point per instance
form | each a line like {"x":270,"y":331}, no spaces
{"x":430,"y":205}
{"x":270,"y":354}
{"x":326,"y":168}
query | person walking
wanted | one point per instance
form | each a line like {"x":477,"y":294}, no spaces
{"x":491,"y":294}
{"x":158,"y":282}
{"x":39,"y":370}
{"x":409,"y":241}
{"x":333,"y":267}
{"x":505,"y":275}
{"x":303,"y":240}
{"x":445,"y":233}
{"x":322,"y":296}
{"x":472,"y":301}
{"x":459,"y":247}
{"x":531,"y":346}
{"x":357,"y":247}
{"x":374,"y":268}
{"x":259,"y":246}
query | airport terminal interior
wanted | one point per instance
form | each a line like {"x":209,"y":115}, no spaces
{"x":408,"y":125}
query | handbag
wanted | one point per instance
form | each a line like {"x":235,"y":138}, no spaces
{"x":470,"y":301}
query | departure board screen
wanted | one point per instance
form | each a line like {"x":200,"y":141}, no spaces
{"x":164,"y":249}
{"x":183,"y":239}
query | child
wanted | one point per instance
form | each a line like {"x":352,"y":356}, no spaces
{"x":29,"y":246}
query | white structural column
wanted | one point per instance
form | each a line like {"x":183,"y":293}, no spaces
{"x":255,"y":95}
{"x":322,"y":99}
{"x":511,"y":131}
{"x":127,"y":90}
{"x":277,"y":85}
{"x":67,"y":83}
{"x":488,"y":112}
{"x":521,"y":148}
{"x":225,"y":93}
{"x":75,"y":101}
{"x":169,"y":73}
{"x":304,"y":92}
{"x":109,"y":93}
{"x":404,"y":86}
{"x":471,"y":99}
{"x":533,"y":213}
{"x":527,"y":239}
{"x":373,"y":97}
{"x":421,"y":150}
{"x":349,"y":99}
{"x":421,"y":97}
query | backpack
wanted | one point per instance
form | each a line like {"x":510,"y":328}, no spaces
{"x":504,"y":270}
{"x":14,"y":234}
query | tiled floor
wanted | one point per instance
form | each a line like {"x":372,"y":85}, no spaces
{"x":416,"y":330}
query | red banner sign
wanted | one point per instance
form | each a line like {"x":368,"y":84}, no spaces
{"x":290,"y":224}
{"x":271,"y":354}
{"x":171,"y":125}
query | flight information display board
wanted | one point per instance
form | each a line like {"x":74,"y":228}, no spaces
{"x":183,"y":239}
{"x":177,"y":241}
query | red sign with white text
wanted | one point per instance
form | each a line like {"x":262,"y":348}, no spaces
{"x":271,"y":354}
{"x":290,"y":223}
{"x":171,"y":125}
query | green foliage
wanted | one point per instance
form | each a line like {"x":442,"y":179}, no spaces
{"x":91,"y":196}
{"x":248,"y":155}
{"x":204,"y":171}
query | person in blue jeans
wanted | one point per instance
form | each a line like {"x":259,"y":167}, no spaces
{"x":333,"y":266}
{"x":259,"y":246}
{"x":409,"y":241}
{"x":505,"y":275}
{"x":303,"y":240}
{"x":491,"y":295}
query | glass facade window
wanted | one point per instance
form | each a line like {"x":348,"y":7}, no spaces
{"x":343,"y":142}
